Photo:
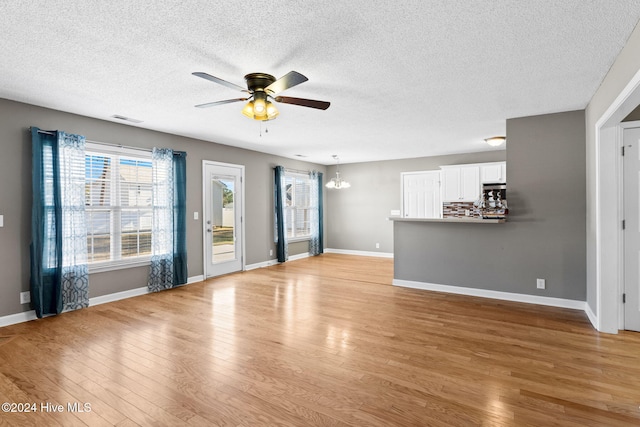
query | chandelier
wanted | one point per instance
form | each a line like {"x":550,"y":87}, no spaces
{"x":337,"y":182}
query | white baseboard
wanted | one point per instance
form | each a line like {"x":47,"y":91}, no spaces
{"x":195,"y":279}
{"x":327,"y":251}
{"x":118,"y":296}
{"x":298,"y":256}
{"x":507,"y":296}
{"x":592,"y":317}
{"x":361,"y":253}
{"x":26,"y":316}
{"x":274,"y":261}
{"x":12,"y":319}
{"x":261,"y":264}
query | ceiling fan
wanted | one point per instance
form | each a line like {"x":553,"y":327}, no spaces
{"x":261,"y":89}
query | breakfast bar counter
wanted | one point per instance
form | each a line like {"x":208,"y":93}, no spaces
{"x":460,"y":219}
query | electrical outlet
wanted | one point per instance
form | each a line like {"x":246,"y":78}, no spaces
{"x":1,"y":220}
{"x":541,"y":283}
{"x":25,"y":297}
{"x":377,"y":245}
{"x":270,"y":252}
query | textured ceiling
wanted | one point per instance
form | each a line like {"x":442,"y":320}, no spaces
{"x":405,"y":79}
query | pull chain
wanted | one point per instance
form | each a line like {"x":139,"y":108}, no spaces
{"x":266,"y":129}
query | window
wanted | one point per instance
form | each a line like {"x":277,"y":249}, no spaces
{"x":118,"y":190}
{"x":297,"y":206}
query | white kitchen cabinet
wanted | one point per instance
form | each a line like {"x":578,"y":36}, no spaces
{"x":493,"y":172}
{"x":460,"y":183}
{"x":421,"y":195}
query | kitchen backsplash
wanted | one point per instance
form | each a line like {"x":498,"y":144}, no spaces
{"x":457,"y":209}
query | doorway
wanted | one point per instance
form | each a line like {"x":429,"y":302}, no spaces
{"x":421,"y":195}
{"x":631,"y":233}
{"x":223,"y":187}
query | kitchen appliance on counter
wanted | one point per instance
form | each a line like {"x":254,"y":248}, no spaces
{"x":493,"y":201}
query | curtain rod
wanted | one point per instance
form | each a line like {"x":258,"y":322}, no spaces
{"x":99,"y":142}
{"x":297,"y":171}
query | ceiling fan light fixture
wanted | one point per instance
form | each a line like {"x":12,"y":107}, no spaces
{"x":260,"y":108}
{"x":262,"y":89}
{"x":248,"y":110}
{"x":272,"y":111}
{"x":495,"y":141}
{"x":259,"y":103}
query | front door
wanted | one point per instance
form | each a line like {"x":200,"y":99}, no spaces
{"x":631,"y":195}
{"x":223,"y":231}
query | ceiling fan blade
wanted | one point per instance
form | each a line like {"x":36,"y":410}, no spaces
{"x":289,"y":80}
{"x":219,"y":81}
{"x":225,"y":101}
{"x":320,"y":105}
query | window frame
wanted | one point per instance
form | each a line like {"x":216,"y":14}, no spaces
{"x":116,"y":153}
{"x":290,"y":211}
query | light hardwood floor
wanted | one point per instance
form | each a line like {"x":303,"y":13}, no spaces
{"x":319,"y":341}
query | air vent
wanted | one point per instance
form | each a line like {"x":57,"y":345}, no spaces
{"x":126,"y":119}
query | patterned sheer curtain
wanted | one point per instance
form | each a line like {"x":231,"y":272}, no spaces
{"x":280,"y":232}
{"x":316,"y":243}
{"x":59,"y":273}
{"x":161,"y":275}
{"x":75,"y":272}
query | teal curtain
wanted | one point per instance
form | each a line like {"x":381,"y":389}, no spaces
{"x":59,"y":277}
{"x":282,"y":246}
{"x":320,"y":213}
{"x":168,"y":236}
{"x":316,"y":241}
{"x":180,"y":217}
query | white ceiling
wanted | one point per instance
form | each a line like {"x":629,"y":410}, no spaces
{"x":405,"y":79}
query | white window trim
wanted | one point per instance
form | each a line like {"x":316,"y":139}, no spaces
{"x":298,"y":239}
{"x":99,"y":267}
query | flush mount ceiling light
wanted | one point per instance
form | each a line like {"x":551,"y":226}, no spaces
{"x":262,"y":89}
{"x":496,"y":141}
{"x":337,"y":182}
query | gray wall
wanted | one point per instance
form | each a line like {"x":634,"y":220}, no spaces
{"x":626,"y":65}
{"x":545,"y":233}
{"x":357,"y":216}
{"x":15,"y":195}
{"x":633,"y":116}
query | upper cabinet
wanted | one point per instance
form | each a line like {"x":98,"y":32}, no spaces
{"x":460,"y":183}
{"x":493,"y":172}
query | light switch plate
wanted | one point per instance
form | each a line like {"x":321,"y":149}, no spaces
{"x":195,"y":215}
{"x":1,"y":220}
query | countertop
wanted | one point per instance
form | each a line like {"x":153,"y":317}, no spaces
{"x":462,"y":219}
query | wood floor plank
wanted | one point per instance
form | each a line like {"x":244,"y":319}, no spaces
{"x":324,"y":341}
